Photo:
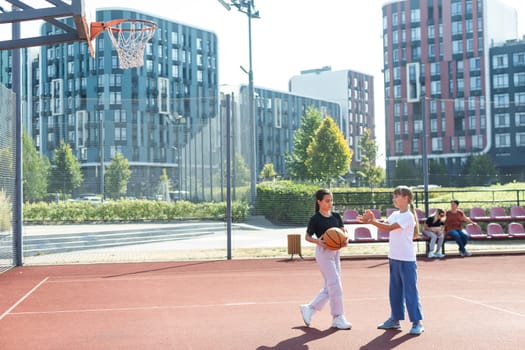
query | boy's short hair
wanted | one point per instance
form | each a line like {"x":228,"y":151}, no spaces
{"x":455,"y":201}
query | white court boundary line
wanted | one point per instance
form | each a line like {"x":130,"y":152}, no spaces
{"x":489,"y":306}
{"x":228,"y":304}
{"x":23,"y":298}
{"x":187,"y":306}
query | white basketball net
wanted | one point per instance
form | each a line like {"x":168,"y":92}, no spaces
{"x":130,"y":39}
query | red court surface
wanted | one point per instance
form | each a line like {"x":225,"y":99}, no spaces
{"x":468,"y":303}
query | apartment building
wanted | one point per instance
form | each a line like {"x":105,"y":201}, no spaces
{"x":449,"y":41}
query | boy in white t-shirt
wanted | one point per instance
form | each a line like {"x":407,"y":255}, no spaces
{"x":403,"y":227}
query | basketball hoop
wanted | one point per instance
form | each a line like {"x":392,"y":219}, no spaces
{"x":129,"y":37}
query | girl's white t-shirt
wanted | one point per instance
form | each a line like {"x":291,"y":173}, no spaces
{"x":401,"y":246}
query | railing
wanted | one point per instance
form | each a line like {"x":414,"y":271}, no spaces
{"x":437,"y":198}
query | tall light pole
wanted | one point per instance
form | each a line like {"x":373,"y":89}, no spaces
{"x":248,"y":8}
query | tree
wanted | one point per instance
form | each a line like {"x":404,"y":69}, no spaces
{"x":241,"y":173}
{"x":369,"y":172}
{"x":117,"y":176}
{"x":65,"y":175}
{"x":437,"y":173}
{"x":479,"y":171}
{"x":35,"y":170}
{"x":295,"y":162}
{"x":405,"y":174}
{"x":328,"y":155}
{"x":268,"y":172}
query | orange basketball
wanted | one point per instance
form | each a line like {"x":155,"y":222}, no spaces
{"x":334,"y":238}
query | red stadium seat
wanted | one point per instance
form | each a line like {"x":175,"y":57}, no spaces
{"x":383,"y":236}
{"x":517,"y":213}
{"x":362,"y":234}
{"x":478,"y":214}
{"x":498,"y":213}
{"x":516,"y":230}
{"x":495,"y":231}
{"x":475,"y":232}
{"x":420,"y":215}
{"x":350,"y":216}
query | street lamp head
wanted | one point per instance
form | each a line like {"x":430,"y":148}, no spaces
{"x":225,"y":4}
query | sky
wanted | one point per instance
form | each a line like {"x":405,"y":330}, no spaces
{"x":290,"y":36}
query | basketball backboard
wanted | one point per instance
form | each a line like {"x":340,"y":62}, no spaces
{"x":21,"y":11}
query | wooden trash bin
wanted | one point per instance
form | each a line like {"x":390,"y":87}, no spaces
{"x":294,"y":245}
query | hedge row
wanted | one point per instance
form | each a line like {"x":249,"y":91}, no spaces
{"x":130,"y":210}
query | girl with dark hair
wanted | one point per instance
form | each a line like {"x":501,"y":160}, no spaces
{"x":328,"y":260}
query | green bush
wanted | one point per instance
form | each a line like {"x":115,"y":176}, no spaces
{"x":131,"y":210}
{"x":285,"y":202}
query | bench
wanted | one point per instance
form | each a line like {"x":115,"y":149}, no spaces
{"x":495,"y":232}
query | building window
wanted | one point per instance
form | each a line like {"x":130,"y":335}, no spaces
{"x":418,"y":126}
{"x":457,"y":27}
{"x":502,"y":140}
{"x":520,"y":139}
{"x":472,"y":122}
{"x":501,"y":81}
{"x":519,"y":79}
{"x":435,"y":87}
{"x":164,"y":95}
{"x":475,"y":83}
{"x":399,"y":146}
{"x":459,"y":105}
{"x":277,"y":112}
{"x":500,"y":61}
{"x":456,"y":8}
{"x":457,"y":46}
{"x":120,"y":116}
{"x":415,"y":15}
{"x":437,"y":144}
{"x":460,"y":85}
{"x":397,"y":128}
{"x":477,"y":141}
{"x":519,"y":119}
{"x":433,"y":125}
{"x":415,"y":33}
{"x":431,"y":31}
{"x":519,"y":99}
{"x":502,"y":120}
{"x":518,"y":59}
{"x":474,"y":63}
{"x":501,"y":101}
{"x":459,"y":66}
{"x":461,"y":143}
{"x":115,"y":97}
{"x":56,"y":96}
{"x":415,"y":145}
{"x":120,"y":134}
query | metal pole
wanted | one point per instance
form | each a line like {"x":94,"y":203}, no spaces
{"x":102,"y":189}
{"x":253,"y":123}
{"x":16,"y":84}
{"x":228,"y":182}
{"x":424,"y":151}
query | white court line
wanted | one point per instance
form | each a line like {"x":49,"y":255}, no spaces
{"x":23,"y":298}
{"x":489,"y":306}
{"x":189,"y":306}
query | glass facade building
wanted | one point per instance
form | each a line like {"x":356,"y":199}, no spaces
{"x":162,"y":116}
